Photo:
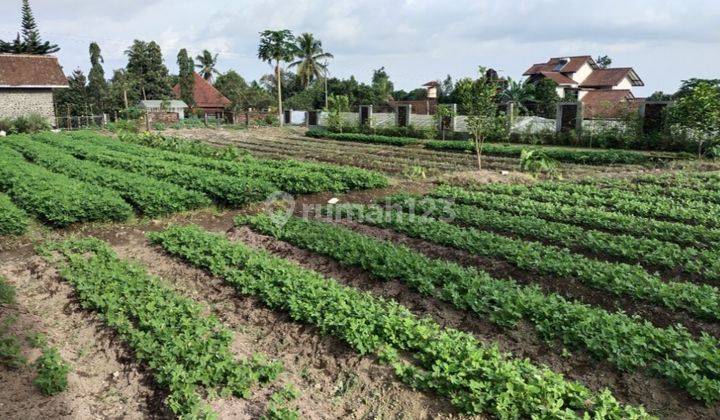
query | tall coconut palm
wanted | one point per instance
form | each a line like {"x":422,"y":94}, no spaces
{"x":206,"y":65}
{"x":312,"y":63}
{"x":277,"y":46}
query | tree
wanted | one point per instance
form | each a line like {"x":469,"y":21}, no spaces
{"x":241,"y":94}
{"x":31,"y":42}
{"x":74,"y":99}
{"x":687,"y":87}
{"x":337,"y":104}
{"x":97,"y":85}
{"x":443,"y":113}
{"x":123,"y":90}
{"x":206,"y":64}
{"x":479,"y":103}
{"x":277,"y":46}
{"x":186,"y":77}
{"x":382,"y":85}
{"x":146,"y":66}
{"x":546,"y":98}
{"x":446,"y":89}
{"x":312,"y":63}
{"x":659,"y":95}
{"x":603,"y":61}
{"x":518,"y":93}
{"x":697,"y":113}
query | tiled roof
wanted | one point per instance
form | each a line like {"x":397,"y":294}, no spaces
{"x":606,"y":103}
{"x":611,"y":77}
{"x":31,"y":71}
{"x":205,"y":94}
{"x":573,"y":64}
{"x":559,"y":78}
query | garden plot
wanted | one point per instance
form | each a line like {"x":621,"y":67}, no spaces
{"x":390,"y":159}
{"x":604,"y":304}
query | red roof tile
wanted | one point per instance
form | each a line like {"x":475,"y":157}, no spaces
{"x":574,"y":64}
{"x":611,"y":77}
{"x":205,"y":94}
{"x":31,"y":71}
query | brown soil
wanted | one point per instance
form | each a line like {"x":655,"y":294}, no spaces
{"x":289,"y":142}
{"x":104,"y":381}
{"x":334,"y":382}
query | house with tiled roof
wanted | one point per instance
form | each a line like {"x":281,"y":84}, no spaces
{"x":207,"y":99}
{"x":27,"y":83}
{"x":603,"y":91}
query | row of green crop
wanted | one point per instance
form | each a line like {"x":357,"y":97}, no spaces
{"x":291,"y":180}
{"x":585,"y":157}
{"x":13,"y":221}
{"x":694,"y":180}
{"x":348,"y":177}
{"x":698,"y":236}
{"x":688,"y":192}
{"x":149,"y":196}
{"x":55,"y":198}
{"x":223,"y":188}
{"x":639,"y":204}
{"x":616,"y":278}
{"x":649,"y":252}
{"x":628,"y":343}
{"x":477,"y":378}
{"x":185,"y":350}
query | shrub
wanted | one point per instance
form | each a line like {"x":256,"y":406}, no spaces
{"x":52,"y":372}
{"x":31,"y":123}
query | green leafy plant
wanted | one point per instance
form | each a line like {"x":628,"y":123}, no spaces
{"x":184,"y":349}
{"x":55,"y":198}
{"x":537,"y":162}
{"x":7,"y":292}
{"x":477,"y":378}
{"x":627,"y":342}
{"x":52,"y":372}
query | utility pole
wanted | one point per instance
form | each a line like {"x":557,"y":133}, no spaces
{"x":326,"y":86}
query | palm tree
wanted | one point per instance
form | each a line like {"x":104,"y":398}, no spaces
{"x":277,"y":46}
{"x":310,"y":54}
{"x":206,"y":64}
{"x":517,"y":92}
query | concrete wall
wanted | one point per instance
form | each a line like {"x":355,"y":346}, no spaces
{"x":21,"y":102}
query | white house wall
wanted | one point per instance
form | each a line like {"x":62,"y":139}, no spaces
{"x":583,"y":73}
{"x":625,"y":84}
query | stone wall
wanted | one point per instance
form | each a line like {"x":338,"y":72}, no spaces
{"x":21,"y":102}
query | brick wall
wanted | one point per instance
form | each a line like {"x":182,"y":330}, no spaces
{"x":21,"y":102}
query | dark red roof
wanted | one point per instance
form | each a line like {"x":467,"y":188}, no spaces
{"x":205,"y":94}
{"x":607,"y":103}
{"x":433,"y":83}
{"x":573,"y":64}
{"x":31,"y":71}
{"x":611,"y":77}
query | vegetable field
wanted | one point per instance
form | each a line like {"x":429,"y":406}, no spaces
{"x":593,"y":298}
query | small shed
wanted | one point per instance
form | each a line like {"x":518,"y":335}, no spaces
{"x":175,"y":106}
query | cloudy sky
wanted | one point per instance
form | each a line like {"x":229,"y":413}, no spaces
{"x":417,"y":41}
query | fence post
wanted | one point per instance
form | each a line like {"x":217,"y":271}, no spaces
{"x":365,"y":116}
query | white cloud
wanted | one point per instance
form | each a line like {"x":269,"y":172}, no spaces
{"x":416,"y":40}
